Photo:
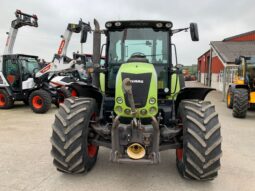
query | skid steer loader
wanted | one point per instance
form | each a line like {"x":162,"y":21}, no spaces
{"x":241,"y":93}
{"x":137,"y":107}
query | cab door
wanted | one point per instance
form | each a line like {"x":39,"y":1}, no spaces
{"x":11,"y":72}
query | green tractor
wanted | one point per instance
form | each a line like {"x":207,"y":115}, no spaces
{"x":137,"y":106}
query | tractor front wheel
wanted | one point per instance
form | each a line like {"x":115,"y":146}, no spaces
{"x":199,"y":158}
{"x":72,"y":149}
{"x":6,"y":101}
{"x":241,"y":103}
{"x":40,"y":101}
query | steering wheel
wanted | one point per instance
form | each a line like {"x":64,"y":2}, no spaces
{"x":138,"y":54}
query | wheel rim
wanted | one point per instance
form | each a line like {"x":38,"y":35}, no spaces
{"x":179,"y":151}
{"x":2,"y":100}
{"x":74,"y":93}
{"x":37,"y":102}
{"x":92,"y":149}
{"x":179,"y":154}
{"x":229,"y":98}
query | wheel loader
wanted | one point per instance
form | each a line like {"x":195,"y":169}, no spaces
{"x":241,"y":93}
{"x":136,"y":106}
{"x":18,"y":80}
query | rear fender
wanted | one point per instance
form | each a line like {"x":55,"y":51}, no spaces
{"x":192,"y":93}
{"x":7,"y":89}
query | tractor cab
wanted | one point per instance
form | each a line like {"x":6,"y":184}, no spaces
{"x":246,"y":71}
{"x":18,"y":70}
{"x":146,"y":42}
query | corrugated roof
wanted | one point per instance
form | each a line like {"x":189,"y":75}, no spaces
{"x":229,"y":51}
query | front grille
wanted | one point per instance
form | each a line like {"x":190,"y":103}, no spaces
{"x":140,"y":88}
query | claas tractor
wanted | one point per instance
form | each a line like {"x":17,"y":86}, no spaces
{"x":136,"y":106}
{"x":241,"y":93}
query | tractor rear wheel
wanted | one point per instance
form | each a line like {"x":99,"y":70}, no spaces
{"x":40,"y":101}
{"x":230,"y":98}
{"x":241,"y":103}
{"x":199,"y":159}
{"x":6,"y":101}
{"x":63,"y":93}
{"x":72,"y":149}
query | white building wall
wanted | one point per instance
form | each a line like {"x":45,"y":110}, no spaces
{"x":217,"y":81}
{"x":202,"y":79}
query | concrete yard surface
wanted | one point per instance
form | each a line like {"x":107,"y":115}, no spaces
{"x":26,"y":163}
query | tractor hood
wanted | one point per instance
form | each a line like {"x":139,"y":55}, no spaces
{"x":143,"y":78}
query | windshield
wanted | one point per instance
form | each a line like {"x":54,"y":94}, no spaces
{"x":145,"y":41}
{"x":153,"y":44}
{"x":29,"y":65}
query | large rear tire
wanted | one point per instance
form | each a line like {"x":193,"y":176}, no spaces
{"x":40,"y":101}
{"x":72,"y":150}
{"x":6,"y":101}
{"x":199,"y":159}
{"x":241,"y":103}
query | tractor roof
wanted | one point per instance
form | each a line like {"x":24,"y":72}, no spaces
{"x":118,"y":25}
{"x":15,"y":56}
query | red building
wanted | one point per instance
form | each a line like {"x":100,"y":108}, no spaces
{"x":216,"y":66}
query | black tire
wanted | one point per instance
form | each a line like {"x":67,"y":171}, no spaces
{"x":230,"y":98}
{"x":40,"y":101}
{"x":71,"y":149}
{"x":6,"y":101}
{"x":241,"y":103}
{"x":201,"y":152}
{"x":63,"y":93}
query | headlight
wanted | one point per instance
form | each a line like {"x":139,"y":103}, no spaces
{"x":159,"y":25}
{"x":119,"y":100}
{"x":168,"y":25}
{"x":127,"y":111}
{"x":108,"y":25}
{"x":153,"y":110}
{"x":117,"y":24}
{"x":152,"y":100}
{"x":118,"y":109}
{"x":143,"y":112}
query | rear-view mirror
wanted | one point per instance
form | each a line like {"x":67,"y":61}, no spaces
{"x":194,"y":32}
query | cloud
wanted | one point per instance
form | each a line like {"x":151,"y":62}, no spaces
{"x":216,"y":20}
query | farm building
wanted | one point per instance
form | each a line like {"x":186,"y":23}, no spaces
{"x":216,"y":67}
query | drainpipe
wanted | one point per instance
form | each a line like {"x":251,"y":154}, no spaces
{"x":210,"y":69}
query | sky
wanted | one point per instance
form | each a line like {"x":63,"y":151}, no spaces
{"x":216,"y":19}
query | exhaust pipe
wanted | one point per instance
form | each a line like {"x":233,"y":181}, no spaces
{"x":96,"y":54}
{"x":136,"y":151}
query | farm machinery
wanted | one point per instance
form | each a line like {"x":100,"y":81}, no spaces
{"x":241,"y":93}
{"x":136,"y":106}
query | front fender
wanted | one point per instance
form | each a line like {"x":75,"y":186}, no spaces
{"x":192,"y":93}
{"x":86,"y":90}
